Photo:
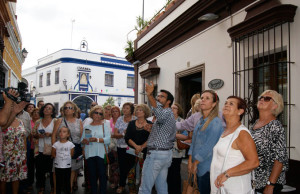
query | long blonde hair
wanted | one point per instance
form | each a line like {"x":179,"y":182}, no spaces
{"x":214,"y":112}
{"x":194,"y":98}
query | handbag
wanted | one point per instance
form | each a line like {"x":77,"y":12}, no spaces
{"x":182,"y":146}
{"x":77,"y":148}
{"x":47,"y":149}
{"x":222,"y":190}
{"x":190,"y":185}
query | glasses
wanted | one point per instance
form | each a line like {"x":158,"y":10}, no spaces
{"x":68,"y":107}
{"x":160,"y":96}
{"x":98,"y":113}
{"x":266,"y":98}
{"x":93,"y":104}
{"x":48,"y":108}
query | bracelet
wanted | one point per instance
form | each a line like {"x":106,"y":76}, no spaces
{"x":226,"y":175}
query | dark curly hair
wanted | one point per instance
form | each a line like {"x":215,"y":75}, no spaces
{"x":53,"y":115}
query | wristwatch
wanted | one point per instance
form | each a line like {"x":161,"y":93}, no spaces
{"x":269,"y":183}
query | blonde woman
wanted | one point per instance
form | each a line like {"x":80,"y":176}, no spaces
{"x":269,"y":137}
{"x":193,"y":109}
{"x":206,"y":134}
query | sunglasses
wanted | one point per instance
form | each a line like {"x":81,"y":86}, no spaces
{"x":98,"y":113}
{"x":68,"y":107}
{"x":266,"y":98}
{"x":93,"y":105}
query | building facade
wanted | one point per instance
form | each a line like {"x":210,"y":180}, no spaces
{"x":12,"y":55}
{"x":234,"y":47}
{"x":82,"y":77}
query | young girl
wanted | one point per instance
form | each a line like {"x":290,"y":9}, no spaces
{"x":62,"y":152}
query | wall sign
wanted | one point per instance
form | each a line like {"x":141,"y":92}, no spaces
{"x":216,"y":84}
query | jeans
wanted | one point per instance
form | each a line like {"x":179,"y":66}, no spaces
{"x":155,"y":171}
{"x":97,"y":171}
{"x":204,"y":183}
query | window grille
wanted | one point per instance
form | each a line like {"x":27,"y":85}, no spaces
{"x":261,"y":61}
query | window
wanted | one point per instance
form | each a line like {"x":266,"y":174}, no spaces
{"x":41,"y":80}
{"x":48,"y":78}
{"x":56,"y":76}
{"x":56,"y":107}
{"x":109,"y":78}
{"x":130,"y":81}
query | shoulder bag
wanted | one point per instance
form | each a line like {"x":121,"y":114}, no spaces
{"x":77,"y":148}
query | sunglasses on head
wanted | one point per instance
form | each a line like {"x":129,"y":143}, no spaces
{"x":98,"y":113}
{"x":68,"y":107}
{"x":266,"y":98}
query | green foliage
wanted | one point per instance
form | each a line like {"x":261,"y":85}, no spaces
{"x":129,"y":48}
{"x":109,"y":101}
{"x":141,"y":24}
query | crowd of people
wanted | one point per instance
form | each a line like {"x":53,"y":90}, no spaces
{"x":143,"y":146}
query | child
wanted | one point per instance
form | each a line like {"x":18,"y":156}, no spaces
{"x":62,"y":152}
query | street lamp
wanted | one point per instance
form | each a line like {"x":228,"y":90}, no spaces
{"x":65,"y":83}
{"x":119,"y":101}
{"x":24,"y":53}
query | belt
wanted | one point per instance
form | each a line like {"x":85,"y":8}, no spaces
{"x":159,"y":149}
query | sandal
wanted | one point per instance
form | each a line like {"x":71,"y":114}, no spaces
{"x":113,"y":186}
{"x":120,"y":190}
{"x":75,"y":187}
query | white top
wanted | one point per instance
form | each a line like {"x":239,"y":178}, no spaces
{"x":233,"y":185}
{"x":47,"y":140}
{"x":63,"y":154}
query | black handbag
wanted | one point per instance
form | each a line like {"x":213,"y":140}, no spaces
{"x":77,"y":148}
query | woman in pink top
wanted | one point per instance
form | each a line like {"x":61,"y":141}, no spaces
{"x":114,"y":175}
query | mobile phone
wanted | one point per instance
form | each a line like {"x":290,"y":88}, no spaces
{"x":42,"y":131}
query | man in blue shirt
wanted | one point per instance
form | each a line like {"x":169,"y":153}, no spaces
{"x":160,"y":143}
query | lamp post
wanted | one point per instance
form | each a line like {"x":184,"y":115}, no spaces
{"x":119,"y":101}
{"x":65,"y":83}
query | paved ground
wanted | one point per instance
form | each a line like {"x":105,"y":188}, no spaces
{"x":82,"y":190}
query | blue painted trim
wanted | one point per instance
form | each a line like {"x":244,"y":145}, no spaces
{"x":109,"y":72}
{"x":86,"y":62}
{"x":100,"y":94}
{"x":114,"y":60}
{"x":130,"y":75}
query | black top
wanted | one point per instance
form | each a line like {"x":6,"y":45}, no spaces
{"x":137,"y":135}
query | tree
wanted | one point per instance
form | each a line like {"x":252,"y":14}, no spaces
{"x":109,"y":101}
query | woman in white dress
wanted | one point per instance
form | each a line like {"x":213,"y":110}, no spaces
{"x":242,"y":157}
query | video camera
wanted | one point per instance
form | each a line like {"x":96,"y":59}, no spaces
{"x":22,"y":90}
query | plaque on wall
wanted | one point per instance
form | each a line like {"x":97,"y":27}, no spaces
{"x":216,"y":84}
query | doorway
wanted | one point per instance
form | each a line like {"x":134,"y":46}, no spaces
{"x":188,"y":83}
{"x":84,"y":103}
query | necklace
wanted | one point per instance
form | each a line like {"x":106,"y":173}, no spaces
{"x":140,"y":124}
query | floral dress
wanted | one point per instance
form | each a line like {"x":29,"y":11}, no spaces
{"x":14,"y":153}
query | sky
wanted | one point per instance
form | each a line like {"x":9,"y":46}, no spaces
{"x":46,"y":25}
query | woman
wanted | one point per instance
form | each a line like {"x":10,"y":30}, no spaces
{"x":71,"y":121}
{"x":174,"y":177}
{"x":136,"y":137}
{"x":43,"y":131}
{"x":269,"y":137}
{"x":14,"y":153}
{"x":107,"y":111}
{"x":95,"y":137}
{"x":194,"y":98}
{"x":29,"y":108}
{"x":119,"y":133}
{"x":114,"y":167}
{"x":35,"y":116}
{"x":233,"y":174}
{"x":206,"y":134}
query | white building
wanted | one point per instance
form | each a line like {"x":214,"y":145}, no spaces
{"x":81,"y":77}
{"x":245,"y":48}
